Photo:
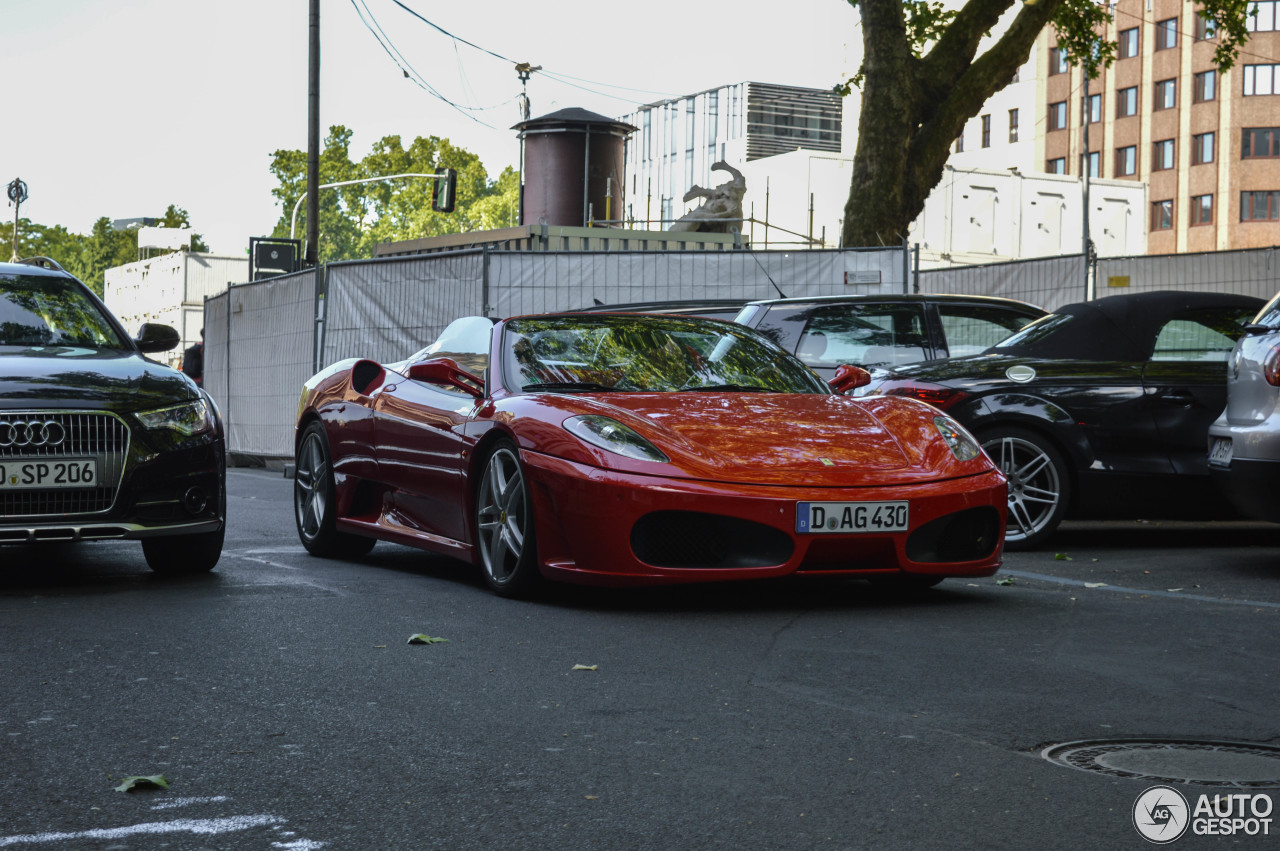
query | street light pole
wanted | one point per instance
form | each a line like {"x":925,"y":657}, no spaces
{"x":293,"y":220}
{"x":313,"y":134}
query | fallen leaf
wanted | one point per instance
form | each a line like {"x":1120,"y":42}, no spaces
{"x":1063,"y":557}
{"x":1095,"y":585}
{"x":585,"y":668}
{"x":154,"y":781}
{"x":425,"y":639}
{"x":1008,"y":580}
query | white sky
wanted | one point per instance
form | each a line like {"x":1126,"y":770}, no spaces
{"x":121,"y":108}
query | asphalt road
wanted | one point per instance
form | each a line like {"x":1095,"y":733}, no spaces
{"x":282,"y":702}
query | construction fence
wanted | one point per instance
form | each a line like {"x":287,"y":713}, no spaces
{"x":265,"y":339}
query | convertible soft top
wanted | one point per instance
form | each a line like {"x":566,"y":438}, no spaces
{"x":1115,"y":328}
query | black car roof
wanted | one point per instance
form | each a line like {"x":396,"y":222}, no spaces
{"x":1121,"y":327}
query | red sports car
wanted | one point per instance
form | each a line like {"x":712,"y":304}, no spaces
{"x":629,"y":449}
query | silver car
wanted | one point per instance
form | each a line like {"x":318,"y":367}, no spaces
{"x":1244,"y":442}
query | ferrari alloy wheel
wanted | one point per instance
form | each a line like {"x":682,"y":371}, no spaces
{"x":504,"y":525}
{"x":1039,"y":487}
{"x":315,"y":500}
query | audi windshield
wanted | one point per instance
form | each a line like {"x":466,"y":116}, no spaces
{"x":44,"y":311}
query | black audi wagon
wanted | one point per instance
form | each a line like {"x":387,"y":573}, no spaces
{"x":98,"y":441}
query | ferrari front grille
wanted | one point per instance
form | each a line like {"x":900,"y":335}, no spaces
{"x":691,"y":539}
{"x":50,"y":436}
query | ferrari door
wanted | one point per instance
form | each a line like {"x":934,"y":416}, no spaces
{"x":420,"y":449}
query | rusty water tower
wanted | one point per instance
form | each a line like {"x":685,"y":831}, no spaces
{"x":573,"y":166}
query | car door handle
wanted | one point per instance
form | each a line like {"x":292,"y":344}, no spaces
{"x":1178,"y":397}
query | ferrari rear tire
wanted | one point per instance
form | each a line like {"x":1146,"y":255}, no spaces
{"x":1039,"y":484}
{"x":315,"y":501}
{"x":177,"y":555}
{"x":508,"y":553}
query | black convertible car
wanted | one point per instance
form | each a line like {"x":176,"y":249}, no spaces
{"x":1100,"y":409}
{"x":98,"y":441}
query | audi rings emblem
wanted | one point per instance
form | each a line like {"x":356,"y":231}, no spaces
{"x":20,"y":434}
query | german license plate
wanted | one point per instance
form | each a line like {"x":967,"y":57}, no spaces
{"x":1220,"y":452}
{"x":45,"y":473}
{"x":851,"y":517}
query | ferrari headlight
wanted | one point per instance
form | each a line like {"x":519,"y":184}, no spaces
{"x":612,"y":436}
{"x":188,"y":418}
{"x":963,"y":446}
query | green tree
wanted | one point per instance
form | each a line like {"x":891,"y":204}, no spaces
{"x":355,"y":219}
{"x":88,"y":256}
{"x":922,"y":78}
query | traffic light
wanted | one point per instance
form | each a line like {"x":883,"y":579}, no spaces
{"x":445,"y":196}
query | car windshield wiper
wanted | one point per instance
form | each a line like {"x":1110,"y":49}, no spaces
{"x":574,"y":387}
{"x":729,"y":388}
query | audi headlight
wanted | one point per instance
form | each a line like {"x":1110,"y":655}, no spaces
{"x":188,"y":418}
{"x":612,"y":436}
{"x":962,"y":444}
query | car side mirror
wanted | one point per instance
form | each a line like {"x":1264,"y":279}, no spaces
{"x":849,"y":377}
{"x":153,"y":337}
{"x":447,"y":372}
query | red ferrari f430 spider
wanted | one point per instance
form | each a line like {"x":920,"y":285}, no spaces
{"x":628,"y":449}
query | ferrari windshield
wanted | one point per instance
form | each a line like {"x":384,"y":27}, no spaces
{"x":40,"y":310}
{"x":601,"y":353}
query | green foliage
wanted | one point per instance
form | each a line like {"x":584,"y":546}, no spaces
{"x":88,"y":256}
{"x":354,"y":219}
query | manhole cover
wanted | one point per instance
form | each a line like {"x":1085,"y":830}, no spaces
{"x":1202,"y":762}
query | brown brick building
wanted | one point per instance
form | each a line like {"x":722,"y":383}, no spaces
{"x":1206,"y":143}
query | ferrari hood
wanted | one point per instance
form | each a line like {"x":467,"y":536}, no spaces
{"x":768,"y":437}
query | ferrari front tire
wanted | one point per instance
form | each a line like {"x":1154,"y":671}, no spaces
{"x":315,"y":501}
{"x":507,"y":551}
{"x":1039,"y":485}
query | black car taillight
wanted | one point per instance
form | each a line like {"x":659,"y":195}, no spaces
{"x":935,"y":394}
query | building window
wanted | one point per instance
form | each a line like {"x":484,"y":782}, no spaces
{"x":1259,"y":206}
{"x":1057,"y":165}
{"x":1258,"y":79}
{"x":1127,"y":102}
{"x":1205,"y":86}
{"x":1162,"y":215}
{"x":1094,"y":160}
{"x":1259,"y":143}
{"x":1166,"y":95}
{"x":1202,"y":149}
{"x":1262,"y":17}
{"x":1128,"y":46}
{"x":1205,"y":29}
{"x":1202,"y":210}
{"x":986,"y":131}
{"x":1127,"y":161}
{"x":1013,"y":125}
{"x":960,"y":143}
{"x":1093,"y":109}
{"x":1167,"y":34}
{"x":1058,"y":115}
{"x":1162,"y":155}
{"x":1057,"y":61}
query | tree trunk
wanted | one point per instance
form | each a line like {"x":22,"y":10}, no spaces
{"x":913,"y":108}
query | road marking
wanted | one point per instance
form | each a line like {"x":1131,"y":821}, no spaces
{"x":199,"y":827}
{"x":1093,"y":586}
